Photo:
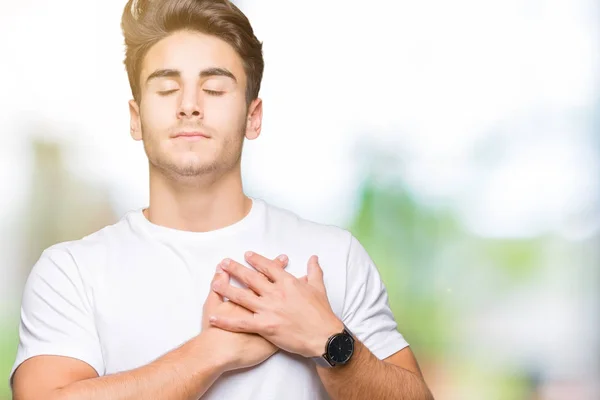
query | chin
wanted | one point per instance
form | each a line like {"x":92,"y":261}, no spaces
{"x":194,"y":169}
{"x":183,"y":166}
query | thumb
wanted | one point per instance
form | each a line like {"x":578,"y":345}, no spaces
{"x":315,"y":273}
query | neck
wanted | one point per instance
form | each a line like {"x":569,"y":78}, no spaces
{"x":204,"y":205}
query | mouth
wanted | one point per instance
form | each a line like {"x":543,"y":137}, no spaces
{"x":191,"y":136}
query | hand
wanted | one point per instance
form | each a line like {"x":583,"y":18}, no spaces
{"x":292,"y":313}
{"x":234,"y":350}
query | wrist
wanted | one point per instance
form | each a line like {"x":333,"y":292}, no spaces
{"x":319,"y":342}
{"x":208,"y":356}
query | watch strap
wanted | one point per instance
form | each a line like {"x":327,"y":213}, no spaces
{"x":323,"y":360}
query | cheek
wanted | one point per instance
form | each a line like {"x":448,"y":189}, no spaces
{"x":156,"y":118}
{"x":226,"y":114}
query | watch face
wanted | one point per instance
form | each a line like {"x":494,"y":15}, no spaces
{"x":340,"y":349}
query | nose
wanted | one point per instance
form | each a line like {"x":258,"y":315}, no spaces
{"x":190,"y":106}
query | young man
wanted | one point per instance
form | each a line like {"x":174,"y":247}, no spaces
{"x":187,"y":298}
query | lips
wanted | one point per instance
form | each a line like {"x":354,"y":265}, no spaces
{"x":191,"y":135}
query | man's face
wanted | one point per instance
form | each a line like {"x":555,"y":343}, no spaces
{"x":193,"y":84}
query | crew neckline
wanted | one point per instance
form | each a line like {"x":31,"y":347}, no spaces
{"x":137,"y":218}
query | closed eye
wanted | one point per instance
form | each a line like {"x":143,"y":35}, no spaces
{"x":167,"y":92}
{"x":209,"y":92}
{"x":213,"y":92}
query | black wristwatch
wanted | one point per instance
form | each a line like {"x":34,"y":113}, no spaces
{"x":338,"y":349}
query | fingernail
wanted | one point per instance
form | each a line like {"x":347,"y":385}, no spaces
{"x":225,"y":262}
{"x":219,"y":269}
{"x":212,"y":319}
{"x":249,"y":254}
{"x":282,"y":258}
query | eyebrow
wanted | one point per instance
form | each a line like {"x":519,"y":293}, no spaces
{"x":205,"y":73}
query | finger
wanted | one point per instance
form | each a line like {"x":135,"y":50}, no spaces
{"x":282,"y":260}
{"x":249,"y":277}
{"x":235,"y":324}
{"x":213,"y":299}
{"x":242,"y":297}
{"x":265,"y":266}
{"x":304,"y":279}
{"x":315,"y":273}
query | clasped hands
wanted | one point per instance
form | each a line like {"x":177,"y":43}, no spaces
{"x":274,"y":310}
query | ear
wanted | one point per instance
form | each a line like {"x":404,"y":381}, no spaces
{"x":254,"y":123}
{"x":135,"y":122}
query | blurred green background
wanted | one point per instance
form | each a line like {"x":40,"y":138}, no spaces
{"x":459,"y":142}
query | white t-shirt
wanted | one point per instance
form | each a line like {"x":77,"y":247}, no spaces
{"x":127,"y":294}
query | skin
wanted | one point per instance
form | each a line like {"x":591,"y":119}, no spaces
{"x":295,"y":315}
{"x":195,"y":185}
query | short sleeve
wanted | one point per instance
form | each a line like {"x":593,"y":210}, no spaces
{"x":366,"y":310}
{"x":56,"y":316}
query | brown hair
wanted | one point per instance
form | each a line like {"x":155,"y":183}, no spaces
{"x":146,"y":22}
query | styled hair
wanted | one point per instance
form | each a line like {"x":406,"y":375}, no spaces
{"x":146,"y":22}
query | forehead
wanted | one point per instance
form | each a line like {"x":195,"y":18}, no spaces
{"x":192,"y":52}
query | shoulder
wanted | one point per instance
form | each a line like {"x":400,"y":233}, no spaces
{"x":286,"y":223}
{"x":67,"y":257}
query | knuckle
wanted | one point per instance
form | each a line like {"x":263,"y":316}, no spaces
{"x":279,"y":294}
{"x":294,"y":281}
{"x":234,"y":295}
{"x":242,"y":296}
{"x":243,"y":324}
{"x":290,"y":280}
{"x":245,"y":297}
{"x":259,"y":268}
{"x":270,"y":329}
{"x":261,"y":280}
{"x":249,"y":277}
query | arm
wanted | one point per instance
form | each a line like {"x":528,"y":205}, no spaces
{"x":184,"y":373}
{"x":367,"y":377}
{"x":296,"y":316}
{"x":383,"y":365}
{"x":59,"y":354}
